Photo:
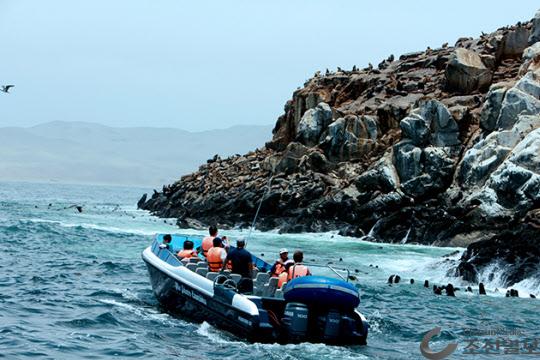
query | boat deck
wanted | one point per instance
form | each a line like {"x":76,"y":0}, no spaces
{"x":263,"y":284}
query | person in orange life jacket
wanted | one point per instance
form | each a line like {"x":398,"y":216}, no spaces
{"x":167,"y":238}
{"x":207,"y":242}
{"x":216,"y":256}
{"x":278,"y":266}
{"x":283,"y":277}
{"x":188,"y":251}
{"x":298,"y":269}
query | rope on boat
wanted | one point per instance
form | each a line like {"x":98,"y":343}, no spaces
{"x":259,"y":207}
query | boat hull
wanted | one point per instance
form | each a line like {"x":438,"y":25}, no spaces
{"x":253,"y":318}
{"x":180,"y":298}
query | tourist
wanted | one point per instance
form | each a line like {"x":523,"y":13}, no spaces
{"x":216,"y":256}
{"x":298,"y":269}
{"x":188,"y":251}
{"x":167,"y":239}
{"x":278,"y":266}
{"x":242,"y":264}
{"x":283,"y":277}
{"x":207,"y":242}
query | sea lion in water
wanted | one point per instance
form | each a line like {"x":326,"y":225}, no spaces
{"x":532,"y":296}
{"x":391,"y":279}
{"x":426,"y":283}
{"x":412,"y":281}
{"x":481,"y":289}
{"x":397,"y":278}
{"x":450,"y":290}
{"x":437,"y":290}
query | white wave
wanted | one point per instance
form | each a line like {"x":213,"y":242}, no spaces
{"x":215,"y":335}
{"x":493,"y":276}
{"x":438,"y":270}
{"x":320,"y":351}
{"x":113,"y":229}
{"x":406,"y":237}
{"x":145,"y":313}
{"x":311,"y":350}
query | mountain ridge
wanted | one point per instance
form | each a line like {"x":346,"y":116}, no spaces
{"x":93,"y":153}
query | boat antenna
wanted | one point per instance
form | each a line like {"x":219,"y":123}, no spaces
{"x":259,"y":207}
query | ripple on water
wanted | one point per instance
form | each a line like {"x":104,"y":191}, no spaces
{"x":102,"y":320}
{"x":83,"y":291}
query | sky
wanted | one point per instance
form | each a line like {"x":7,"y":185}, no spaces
{"x":200,"y":65}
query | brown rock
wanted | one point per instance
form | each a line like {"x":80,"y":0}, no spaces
{"x":466,"y":73}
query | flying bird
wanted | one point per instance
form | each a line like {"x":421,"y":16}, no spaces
{"x":5,"y":88}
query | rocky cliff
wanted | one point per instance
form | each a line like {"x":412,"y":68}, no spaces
{"x":439,"y":147}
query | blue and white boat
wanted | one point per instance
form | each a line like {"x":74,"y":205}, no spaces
{"x":307,"y":309}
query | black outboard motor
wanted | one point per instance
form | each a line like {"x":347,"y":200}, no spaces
{"x":295,"y":322}
{"x":330,"y":326}
{"x":352,"y":331}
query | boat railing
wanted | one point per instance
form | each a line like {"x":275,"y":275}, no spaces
{"x":336,"y":271}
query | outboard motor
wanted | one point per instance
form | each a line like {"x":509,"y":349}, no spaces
{"x":330,"y":325}
{"x":351,"y":329}
{"x":295,"y":321}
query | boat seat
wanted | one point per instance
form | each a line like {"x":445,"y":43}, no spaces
{"x":191,"y":267}
{"x":212,"y":275}
{"x":227,"y":272}
{"x":254,"y":273}
{"x":271,"y":287}
{"x":201,"y":271}
{"x":194,"y":260}
{"x":262,"y":278}
{"x":256,"y":290}
{"x":278,"y":294}
{"x":236,"y":277}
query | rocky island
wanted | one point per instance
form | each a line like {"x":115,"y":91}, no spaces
{"x":437,"y":147}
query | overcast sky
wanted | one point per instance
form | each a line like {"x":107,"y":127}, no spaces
{"x":201,"y":65}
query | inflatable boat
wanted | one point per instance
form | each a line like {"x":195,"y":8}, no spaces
{"x":317,"y":309}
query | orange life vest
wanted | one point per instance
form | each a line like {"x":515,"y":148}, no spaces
{"x":282,"y":279}
{"x":186,"y":254}
{"x":279,"y":269}
{"x":215,"y":263}
{"x":298,"y":270}
{"x":207,"y":243}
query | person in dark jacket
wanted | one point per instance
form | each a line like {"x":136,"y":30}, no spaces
{"x":242,"y":264}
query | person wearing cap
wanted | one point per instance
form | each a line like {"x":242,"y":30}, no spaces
{"x":278,"y":266}
{"x":242,"y":264}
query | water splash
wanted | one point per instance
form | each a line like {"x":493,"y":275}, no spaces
{"x":406,"y":237}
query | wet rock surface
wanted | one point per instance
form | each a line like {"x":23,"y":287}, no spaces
{"x":436,"y":147}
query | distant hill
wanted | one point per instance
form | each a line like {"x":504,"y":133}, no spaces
{"x":91,"y":153}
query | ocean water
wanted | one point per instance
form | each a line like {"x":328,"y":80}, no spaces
{"x":73,"y":286}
